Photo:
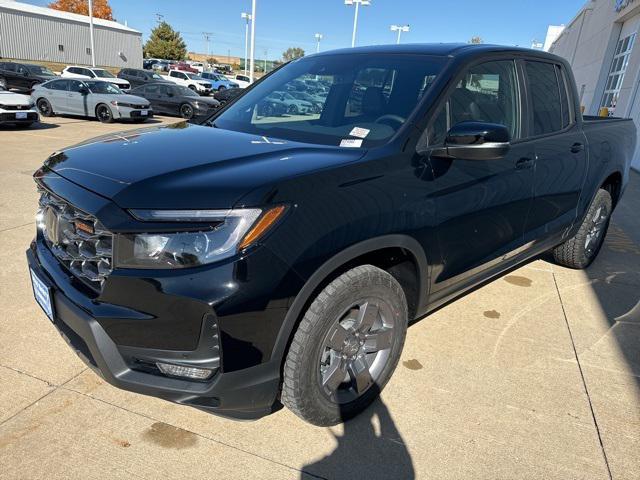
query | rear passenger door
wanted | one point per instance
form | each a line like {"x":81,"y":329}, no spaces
{"x":481,"y":205}
{"x":559,"y":146}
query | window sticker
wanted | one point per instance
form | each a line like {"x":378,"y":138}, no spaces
{"x":351,"y":143}
{"x":359,"y":132}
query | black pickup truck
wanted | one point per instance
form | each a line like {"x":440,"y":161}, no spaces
{"x":283,"y":262}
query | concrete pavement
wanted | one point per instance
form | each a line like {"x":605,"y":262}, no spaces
{"x":535,"y":375}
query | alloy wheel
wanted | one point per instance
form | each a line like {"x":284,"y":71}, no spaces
{"x":44,"y":107}
{"x":104,"y":114}
{"x":356,"y":350}
{"x":186,"y":111}
{"x":596,"y":230}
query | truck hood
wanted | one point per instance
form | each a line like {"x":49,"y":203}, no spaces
{"x":188,"y":166}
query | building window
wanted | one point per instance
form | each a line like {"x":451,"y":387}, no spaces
{"x":88,"y":51}
{"x":61,"y":48}
{"x":616,"y":73}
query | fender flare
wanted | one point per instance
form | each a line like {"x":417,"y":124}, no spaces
{"x":387,"y":241}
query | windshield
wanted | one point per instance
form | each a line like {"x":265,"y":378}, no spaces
{"x":155,"y":76}
{"x":193,"y":76}
{"x":103,"y":74}
{"x":103,"y":87}
{"x":360,"y":100}
{"x":38,"y":70}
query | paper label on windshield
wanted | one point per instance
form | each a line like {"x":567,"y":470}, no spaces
{"x":359,"y":132}
{"x":351,"y":143}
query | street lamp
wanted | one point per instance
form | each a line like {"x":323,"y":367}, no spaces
{"x":93,"y":46}
{"x":399,"y":29}
{"x":252,"y":66}
{"x":318,"y":38}
{"x":247,"y":17}
{"x":357,"y":3}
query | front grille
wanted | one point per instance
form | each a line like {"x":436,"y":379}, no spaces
{"x":16,"y":107}
{"x":77,"y":239}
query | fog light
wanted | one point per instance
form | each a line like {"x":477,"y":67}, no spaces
{"x":186,"y":372}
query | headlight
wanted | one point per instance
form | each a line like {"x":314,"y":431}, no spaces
{"x":231,"y":231}
{"x":122,"y":104}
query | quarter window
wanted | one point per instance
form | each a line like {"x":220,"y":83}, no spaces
{"x":545,"y":98}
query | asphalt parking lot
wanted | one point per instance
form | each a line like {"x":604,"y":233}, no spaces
{"x":534,"y":375}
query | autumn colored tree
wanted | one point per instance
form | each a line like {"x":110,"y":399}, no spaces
{"x":165,"y":43}
{"x":292,"y":53}
{"x":101,"y":8}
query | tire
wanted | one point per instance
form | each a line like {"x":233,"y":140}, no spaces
{"x":335,"y":367}
{"x":292,"y":110}
{"x":44,"y":107}
{"x":193,"y":87}
{"x":186,"y":111}
{"x":578,"y":252}
{"x":222,"y":88}
{"x":104,"y":113}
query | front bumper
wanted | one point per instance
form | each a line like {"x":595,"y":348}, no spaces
{"x":11,"y":116}
{"x":246,"y":394}
{"x":133,"y":114}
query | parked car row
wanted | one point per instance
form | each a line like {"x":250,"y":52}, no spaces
{"x":134,"y":94}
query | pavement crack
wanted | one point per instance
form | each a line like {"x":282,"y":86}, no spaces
{"x":584,"y":381}
{"x":28,"y":375}
{"x":15,"y":227}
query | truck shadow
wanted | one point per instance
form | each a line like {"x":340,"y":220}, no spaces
{"x":370,"y":447}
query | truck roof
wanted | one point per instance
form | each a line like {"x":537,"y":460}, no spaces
{"x":441,"y":49}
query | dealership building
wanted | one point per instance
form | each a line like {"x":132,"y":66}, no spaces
{"x":602,"y":46}
{"x":32,"y":33}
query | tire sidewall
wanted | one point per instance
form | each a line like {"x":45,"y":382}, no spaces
{"x":48,"y":103}
{"x":100,"y":119}
{"x":602,"y":198}
{"x":324,"y":313}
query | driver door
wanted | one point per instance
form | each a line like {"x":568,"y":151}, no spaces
{"x":482,"y":205}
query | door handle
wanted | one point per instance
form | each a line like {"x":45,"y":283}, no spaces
{"x":524,"y":162}
{"x":577,"y":148}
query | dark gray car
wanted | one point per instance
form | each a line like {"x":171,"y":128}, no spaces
{"x":91,"y":98}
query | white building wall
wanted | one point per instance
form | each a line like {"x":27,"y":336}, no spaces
{"x":32,"y":36}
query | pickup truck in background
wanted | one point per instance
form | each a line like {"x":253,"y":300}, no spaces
{"x":189,"y":80}
{"x":284,"y":262}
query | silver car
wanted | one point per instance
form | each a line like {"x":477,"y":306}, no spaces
{"x":89,"y":98}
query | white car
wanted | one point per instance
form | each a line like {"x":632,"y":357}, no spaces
{"x":16,"y":109}
{"x":189,"y":80}
{"x":198,"y":66}
{"x":243,"y":81}
{"x":93,"y":73}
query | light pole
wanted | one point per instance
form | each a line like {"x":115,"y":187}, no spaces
{"x":357,"y":3}
{"x":247,"y":17}
{"x":252,"y":65}
{"x":207,"y":38}
{"x":93,"y":46}
{"x":266,"y":52}
{"x":318,"y":38}
{"x":399,"y":29}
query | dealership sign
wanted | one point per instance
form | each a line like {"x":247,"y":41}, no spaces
{"x":622,"y":4}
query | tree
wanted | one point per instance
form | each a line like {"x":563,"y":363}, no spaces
{"x":476,"y":40}
{"x":101,"y":8}
{"x":292,"y":53}
{"x":165,"y":43}
{"x":212,"y":61}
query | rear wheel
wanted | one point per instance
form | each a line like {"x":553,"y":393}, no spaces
{"x":221,"y":88}
{"x":186,"y":111}
{"x":578,"y":252}
{"x":104,"y":114}
{"x":346,"y":347}
{"x":44,"y":107}
{"x":292,"y":110}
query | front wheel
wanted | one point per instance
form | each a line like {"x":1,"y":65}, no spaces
{"x":346,"y":347}
{"x":104,"y":114}
{"x":186,"y":111}
{"x":578,"y":252}
{"x":44,"y":107}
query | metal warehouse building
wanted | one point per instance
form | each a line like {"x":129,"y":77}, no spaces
{"x":33,"y":33}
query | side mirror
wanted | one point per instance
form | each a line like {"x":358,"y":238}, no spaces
{"x":476,"y":141}
{"x":84,"y":90}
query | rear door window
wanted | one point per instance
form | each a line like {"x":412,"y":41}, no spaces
{"x":58,"y":85}
{"x":564,"y":98}
{"x":545,"y":97}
